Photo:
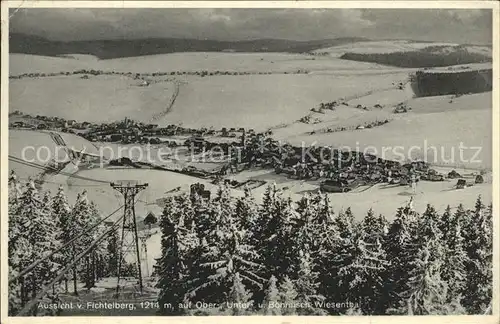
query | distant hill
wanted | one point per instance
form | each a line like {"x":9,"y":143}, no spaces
{"x":116,"y":48}
{"x":421,"y":58}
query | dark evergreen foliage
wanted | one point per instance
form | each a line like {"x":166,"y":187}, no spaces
{"x":278,"y":257}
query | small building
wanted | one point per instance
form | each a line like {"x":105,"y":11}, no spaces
{"x":150,"y":219}
{"x":479,"y":179}
{"x":461,"y":184}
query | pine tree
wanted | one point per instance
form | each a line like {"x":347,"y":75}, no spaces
{"x":84,"y":215}
{"x":178,"y":243}
{"x":113,"y":254}
{"x":371,"y":225}
{"x":272,"y":298}
{"x":306,"y":285}
{"x":305,"y":235}
{"x":267,"y":211}
{"x":344,"y":223}
{"x":478,"y":236}
{"x":15,"y":244}
{"x":276,"y":241}
{"x":328,"y":241}
{"x":226,"y":250}
{"x":340,"y":258}
{"x":288,"y":297}
{"x":39,"y":238}
{"x":218,"y":265}
{"x":238,"y":297}
{"x":246,"y":212}
{"x":455,"y":258}
{"x":368,"y":266}
{"x":99,"y":253}
{"x":400,"y":246}
{"x":323,"y":221}
{"x":62,"y":213}
{"x":427,"y":292}
{"x":202,"y":216}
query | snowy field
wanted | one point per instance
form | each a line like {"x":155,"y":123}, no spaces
{"x":39,"y":147}
{"x":210,"y":61}
{"x":97,"y":99}
{"x":261,"y":102}
{"x":391,"y":46}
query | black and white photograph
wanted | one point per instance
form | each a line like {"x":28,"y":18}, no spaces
{"x":258,"y":161}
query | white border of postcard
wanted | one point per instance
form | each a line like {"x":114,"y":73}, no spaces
{"x":494,"y":5}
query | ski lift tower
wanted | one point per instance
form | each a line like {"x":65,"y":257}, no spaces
{"x":129,"y":243}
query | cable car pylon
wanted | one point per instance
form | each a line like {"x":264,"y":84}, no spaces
{"x":129,"y":243}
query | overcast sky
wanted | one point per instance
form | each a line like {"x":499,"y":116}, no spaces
{"x":458,"y":25}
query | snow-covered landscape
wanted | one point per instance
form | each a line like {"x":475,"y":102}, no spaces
{"x":264,"y":134}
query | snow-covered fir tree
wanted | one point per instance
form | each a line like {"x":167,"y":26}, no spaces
{"x":275,"y":245}
{"x":342,"y":257}
{"x":368,"y":266}
{"x":84,"y":215}
{"x":39,"y":237}
{"x":288,"y":297}
{"x":454,"y":259}
{"x":61,"y":210}
{"x":426,"y":292}
{"x":306,"y":284}
{"x":400,"y":246}
{"x":113,"y":253}
{"x":16,"y":242}
{"x":478,"y":237}
{"x":220,"y":262}
{"x":246,"y":211}
{"x":267,"y":211}
{"x":270,"y":306}
{"x":238,"y":298}
{"x":178,"y":244}
{"x":305,"y":235}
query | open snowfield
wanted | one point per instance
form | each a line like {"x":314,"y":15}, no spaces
{"x":376,"y":47}
{"x":38,"y":147}
{"x":436,"y":136}
{"x":384,"y":199}
{"x":391,"y":46}
{"x":219,"y":101}
{"x":210,"y":61}
{"x":441,"y":122}
{"x":97,"y":99}
{"x":108,"y":199}
{"x":260,"y":102}
{"x":348,"y":117}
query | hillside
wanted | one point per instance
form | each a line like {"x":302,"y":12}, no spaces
{"x":98,"y":98}
{"x":116,"y":48}
{"x":377,"y":47}
{"x":277,"y":87}
{"x":40,"y":148}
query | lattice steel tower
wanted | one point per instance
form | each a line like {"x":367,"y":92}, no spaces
{"x":129,"y":243}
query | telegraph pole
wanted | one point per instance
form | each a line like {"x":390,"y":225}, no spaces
{"x":129,"y":239}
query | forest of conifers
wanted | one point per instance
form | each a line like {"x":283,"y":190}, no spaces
{"x":279,"y":254}
{"x":275,"y":257}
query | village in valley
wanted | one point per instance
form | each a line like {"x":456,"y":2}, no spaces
{"x":243,"y":150}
